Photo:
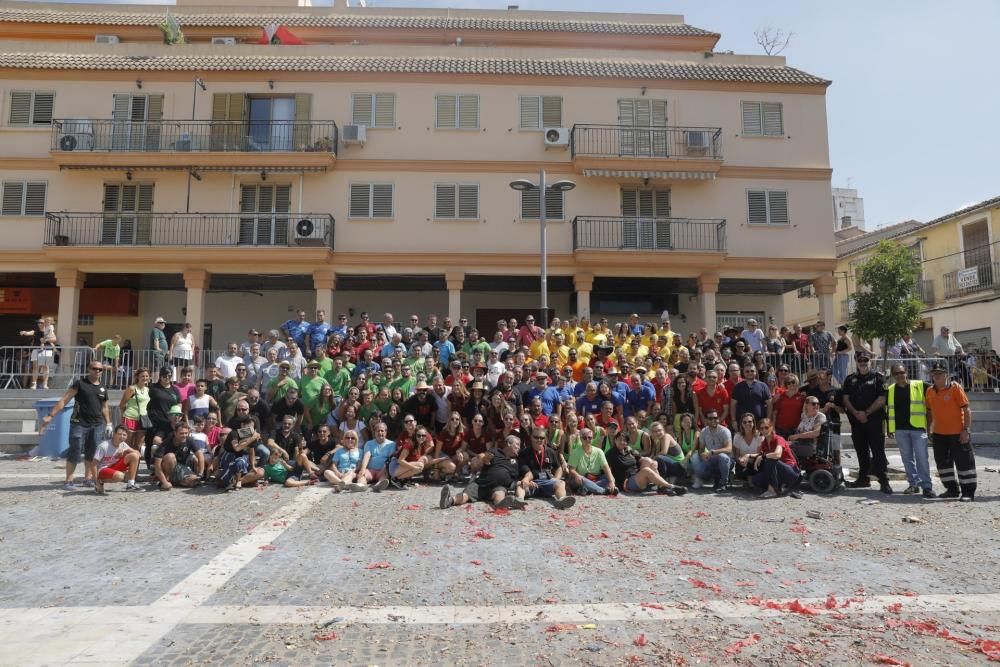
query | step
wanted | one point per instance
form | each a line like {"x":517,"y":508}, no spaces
{"x":18,"y":443}
{"x":18,"y":425}
{"x":15,"y":414}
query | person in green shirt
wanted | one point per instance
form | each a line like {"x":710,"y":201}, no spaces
{"x":406,"y":383}
{"x":339,"y":377}
{"x":588,"y":468}
{"x":279,"y":386}
{"x":109,"y":352}
{"x":311,"y":386}
{"x":278,"y":471}
{"x":475,"y":343}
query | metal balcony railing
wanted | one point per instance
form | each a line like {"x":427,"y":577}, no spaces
{"x":93,"y":134}
{"x":628,"y":141}
{"x":620,"y":233}
{"x":972,"y":280}
{"x":189,"y":229}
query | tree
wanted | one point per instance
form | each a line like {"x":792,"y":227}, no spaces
{"x":772,"y":40}
{"x":887,"y":304}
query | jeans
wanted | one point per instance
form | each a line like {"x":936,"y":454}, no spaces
{"x":840,"y":364}
{"x":83,"y":439}
{"x":600,"y":487}
{"x":913,"y":448}
{"x":776,"y":474}
{"x":715,"y":468}
{"x":668,"y":468}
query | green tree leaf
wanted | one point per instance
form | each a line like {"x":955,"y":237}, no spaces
{"x":887,"y":304}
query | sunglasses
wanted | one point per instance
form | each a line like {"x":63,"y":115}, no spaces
{"x":97,"y":368}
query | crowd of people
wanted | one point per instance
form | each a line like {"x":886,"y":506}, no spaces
{"x":574,"y":408}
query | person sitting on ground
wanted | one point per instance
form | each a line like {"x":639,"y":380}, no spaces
{"x":671,"y":459}
{"x":321,"y":447}
{"x":116,"y":462}
{"x":278,"y":471}
{"x":450,"y":455}
{"x":541,"y":471}
{"x":494,"y":483}
{"x":633,"y":474}
{"x":173,"y":458}
{"x":237,"y":464}
{"x":746,"y":445}
{"x":345,"y":460}
{"x":588,"y":468}
{"x":374,"y":458}
{"x":776,"y":470}
{"x":714,"y":458}
{"x":412,"y":457}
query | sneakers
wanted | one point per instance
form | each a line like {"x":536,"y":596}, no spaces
{"x":720,"y":488}
{"x":132,"y":486}
{"x":446,"y":499}
{"x":354,"y":486}
{"x":89,"y":483}
{"x":398,"y":485}
{"x":928,"y":493}
{"x":381,"y":485}
{"x":967,"y":499}
{"x":69,"y":486}
{"x":768,"y":494}
{"x":98,"y":485}
{"x":696,"y":483}
{"x":884,"y":487}
{"x":565,"y":502}
{"x":950,"y":493}
{"x":910,"y":490}
{"x":666,"y":491}
{"x":860,"y":483}
{"x":678,"y":490}
{"x":512,"y":503}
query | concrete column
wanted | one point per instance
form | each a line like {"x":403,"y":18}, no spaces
{"x":454,"y":280}
{"x":325,"y":282}
{"x":70,"y":282}
{"x":708,"y":285}
{"x":826,"y":288}
{"x":196,"y":282}
{"x":583,"y":283}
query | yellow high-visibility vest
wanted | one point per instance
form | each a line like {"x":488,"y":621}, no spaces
{"x":918,"y":409}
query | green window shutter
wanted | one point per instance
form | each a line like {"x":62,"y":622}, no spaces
{"x":13,"y":195}
{"x":773,"y":123}
{"x":551,"y":112}
{"x":757,"y":207}
{"x":752,"y":119}
{"x":468,"y":112}
{"x":468,"y":202}
{"x":530,"y":112}
{"x":777,"y":207}
{"x":360,"y":201}
{"x":385,"y":110}
{"x":361,"y":109}
{"x":446,"y":116}
{"x":20,"y":109}
{"x":445,"y":201}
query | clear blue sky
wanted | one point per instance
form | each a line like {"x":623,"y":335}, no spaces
{"x":914,"y":101}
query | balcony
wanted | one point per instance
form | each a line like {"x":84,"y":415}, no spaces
{"x":205,"y":144}
{"x":971,"y":281}
{"x":649,"y":234}
{"x":665,"y":152}
{"x":166,"y":230}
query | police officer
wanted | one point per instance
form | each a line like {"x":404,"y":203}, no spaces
{"x":864,"y":402}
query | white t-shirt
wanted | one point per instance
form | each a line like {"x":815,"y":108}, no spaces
{"x":754,"y":339}
{"x":717,"y":439}
{"x":743,"y":447}
{"x":227,"y":365}
{"x":107,"y":454}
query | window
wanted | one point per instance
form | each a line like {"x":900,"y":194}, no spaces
{"x":270,"y":206}
{"x":30,"y":108}
{"x":457,"y":112}
{"x":767,"y":207}
{"x":126,"y":208}
{"x":976,"y":244}
{"x":645,"y":213}
{"x":763,"y":119}
{"x":373,"y":109}
{"x":84,"y":320}
{"x":538,"y":112}
{"x":23,"y":198}
{"x":642,"y":127}
{"x":371,"y":200}
{"x":460,"y":202}
{"x":553,"y":204}
{"x":137,"y":122}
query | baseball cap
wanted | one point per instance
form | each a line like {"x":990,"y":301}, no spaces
{"x":159,"y":320}
{"x":175,"y":410}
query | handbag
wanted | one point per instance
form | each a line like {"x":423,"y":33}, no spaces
{"x":144,"y":420}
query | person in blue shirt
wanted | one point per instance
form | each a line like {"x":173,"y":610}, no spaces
{"x":317,"y":333}
{"x":366,"y":365}
{"x":581,"y":386}
{"x":549,"y":396}
{"x":340,"y":328}
{"x":640,"y":396}
{"x":374,"y":457}
{"x":297,"y":329}
{"x":446,"y":350}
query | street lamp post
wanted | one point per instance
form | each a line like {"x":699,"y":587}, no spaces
{"x":524,"y":185}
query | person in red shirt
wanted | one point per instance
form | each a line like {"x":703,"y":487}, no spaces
{"x":733,"y":377}
{"x":786,"y":409}
{"x":712,"y":396}
{"x":776,"y":470}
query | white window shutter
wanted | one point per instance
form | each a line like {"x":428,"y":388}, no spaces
{"x":626,"y":112}
{"x":382,"y":200}
{"x":385,"y":110}
{"x":446,"y":111}
{"x":777,"y":207}
{"x":20,"y":109}
{"x":773,"y":122}
{"x":529,"y":205}
{"x":752,"y":120}
{"x":659,"y":113}
{"x":468,"y":202}
{"x":361,"y":109}
{"x":646,"y":204}
{"x":468,"y":112}
{"x":360,"y":200}
{"x":13,"y":195}
{"x":662,"y":203}
{"x":121,"y":106}
{"x":282,"y":198}
{"x":553,"y":204}
{"x":444,"y":200}
{"x":630,"y":207}
{"x":41,"y":113}
{"x":643,"y":113}
{"x":530,"y":112}
{"x":552,"y":112}
{"x":757,"y":207}
{"x":34,"y":198}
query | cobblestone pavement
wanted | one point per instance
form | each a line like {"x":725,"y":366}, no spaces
{"x":725,"y":579}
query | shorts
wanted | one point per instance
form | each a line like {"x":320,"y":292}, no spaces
{"x":393,"y":467}
{"x":482,"y":493}
{"x":546,"y":488}
{"x":179,"y":473}
{"x":109,"y":472}
{"x":374,"y":475}
{"x":43,"y":358}
{"x":632,"y":485}
{"x":83,"y":440}
{"x":132,"y":424}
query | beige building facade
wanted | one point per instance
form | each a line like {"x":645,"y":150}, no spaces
{"x":226,"y":182}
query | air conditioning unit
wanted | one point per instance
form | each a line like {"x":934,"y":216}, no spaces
{"x":354,"y":134}
{"x":106,"y":39}
{"x":556,"y":137}
{"x":310,"y":232}
{"x":224,"y":41}
{"x":76,"y":134}
{"x":698,"y":141}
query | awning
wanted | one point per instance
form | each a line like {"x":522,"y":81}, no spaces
{"x":657,"y":175}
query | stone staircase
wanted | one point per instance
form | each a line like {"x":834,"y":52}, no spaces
{"x":18,"y":420}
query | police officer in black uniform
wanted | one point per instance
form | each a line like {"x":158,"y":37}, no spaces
{"x":864,"y":404}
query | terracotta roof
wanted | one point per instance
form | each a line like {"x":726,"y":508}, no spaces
{"x":582,"y":67}
{"x":858,"y":243}
{"x":353,"y":20}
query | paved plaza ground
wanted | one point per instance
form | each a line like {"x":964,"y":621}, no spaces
{"x":300,"y":577}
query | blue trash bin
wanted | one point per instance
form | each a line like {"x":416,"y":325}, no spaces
{"x":54,"y":441}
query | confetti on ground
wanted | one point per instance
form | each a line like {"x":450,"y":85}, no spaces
{"x":381,"y":565}
{"x":738,"y":646}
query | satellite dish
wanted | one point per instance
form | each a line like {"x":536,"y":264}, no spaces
{"x":304,"y":227}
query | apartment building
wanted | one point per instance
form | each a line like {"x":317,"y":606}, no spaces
{"x":226,"y":182}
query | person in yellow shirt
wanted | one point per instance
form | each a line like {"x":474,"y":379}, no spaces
{"x":539,"y":348}
{"x":636,"y":350}
{"x":584,"y":349}
{"x":560,"y":347}
{"x":569,"y":330}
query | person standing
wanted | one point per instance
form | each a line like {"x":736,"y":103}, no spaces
{"x":751,"y":395}
{"x":950,"y":420}
{"x":163,"y":395}
{"x":864,"y":400}
{"x":844,"y":352}
{"x":821,"y":346}
{"x":181,"y":349}
{"x":90,"y":421}
{"x":158,"y":342}
{"x":907,"y":422}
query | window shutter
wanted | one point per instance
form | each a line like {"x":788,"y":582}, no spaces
{"x":553,"y":204}
{"x":530,"y":113}
{"x":773,"y":125}
{"x":382,"y":200}
{"x":659,"y":113}
{"x":265,"y":199}
{"x":626,"y":112}
{"x":282,"y":198}
{"x":752,"y":121}
{"x":248,"y":204}
{"x":109,"y":223}
{"x":662,"y":203}
{"x":13,"y":194}
{"x":529,"y":205}
{"x":220,"y":106}
{"x":551,"y":112}
{"x":144,"y":207}
{"x":128,"y":199}
{"x":385,"y":110}
{"x":446,"y":114}
{"x":34,"y":199}
{"x":444,"y":201}
{"x":154,"y":108}
{"x":468,"y":202}
{"x":757,"y":207}
{"x":276,"y":231}
{"x":361,"y":109}
{"x":112,"y":192}
{"x":42,"y":109}
{"x":630,"y":207}
{"x":646,"y":204}
{"x":468,"y":112}
{"x":777,"y":205}
{"x":20,"y":109}
{"x":301,"y":132}
{"x":360,"y":199}
{"x":236,"y":107}
{"x":643,"y":113}
{"x":137,"y":113}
